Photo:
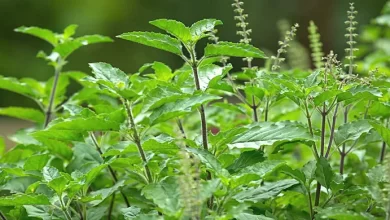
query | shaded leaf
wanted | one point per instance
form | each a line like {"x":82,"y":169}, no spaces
{"x":351,"y":131}
{"x":41,"y":33}
{"x":200,"y":28}
{"x":383,"y":131}
{"x":324,"y":173}
{"x":65,"y":49}
{"x":247,"y":158}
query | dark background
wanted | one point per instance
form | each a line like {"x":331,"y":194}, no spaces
{"x":113,"y":17}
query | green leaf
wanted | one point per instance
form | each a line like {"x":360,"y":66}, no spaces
{"x":29,"y":114}
{"x":247,"y":158}
{"x":209,"y":72}
{"x":105,"y":193}
{"x":233,"y":49}
{"x":269,"y":133}
{"x":321,"y":98}
{"x":36,"y":162}
{"x":179,"y":107}
{"x":165,"y":195}
{"x":27,"y":87}
{"x":210,"y":161}
{"x":2,"y":146}
{"x":39,"y":211}
{"x":200,"y":28}
{"x":383,"y":131}
{"x":175,"y":28}
{"x":296,"y":174}
{"x":130,"y":212}
{"x":161,"y":95}
{"x":247,"y":216}
{"x":351,"y":131}
{"x":208,"y":188}
{"x":41,"y":33}
{"x":101,"y":122}
{"x":70,"y":31}
{"x":268,"y":191}
{"x":339,"y":213}
{"x":261,"y":169}
{"x":324,"y":173}
{"x":24,"y":199}
{"x":156,"y":40}
{"x":65,"y":49}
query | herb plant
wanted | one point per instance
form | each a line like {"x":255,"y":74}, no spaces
{"x":300,"y":143}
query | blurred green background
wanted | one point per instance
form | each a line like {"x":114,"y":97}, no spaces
{"x":113,"y":17}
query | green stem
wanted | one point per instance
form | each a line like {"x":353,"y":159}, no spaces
{"x":112,"y":172}
{"x":332,"y":129}
{"x":137,"y":140}
{"x":64,"y":209}
{"x":49,"y":111}
{"x":343,"y":153}
{"x":323,"y":129}
{"x":111,"y":207}
{"x":310,"y":124}
{"x":2,"y":216}
{"x":254,"y":108}
{"x":310,"y":203}
{"x":266,"y":110}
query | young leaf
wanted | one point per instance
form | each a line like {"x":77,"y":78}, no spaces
{"x":161,"y":95}
{"x":65,"y":49}
{"x":269,"y":133}
{"x":233,"y":49}
{"x":41,"y":33}
{"x":209,"y":160}
{"x":29,"y":114}
{"x":24,"y":199}
{"x":36,"y":162}
{"x":175,"y":28}
{"x":165,"y":195}
{"x":200,"y":28}
{"x":70,"y":31}
{"x":351,"y":131}
{"x":296,"y":174}
{"x":261,"y":169}
{"x":324,"y":173}
{"x":156,"y":40}
{"x":267,"y":191}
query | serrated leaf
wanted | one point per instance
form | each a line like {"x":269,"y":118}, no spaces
{"x":269,"y":133}
{"x":41,"y":33}
{"x":327,"y":95}
{"x":296,"y":174}
{"x":175,"y":28}
{"x":29,"y":114}
{"x":180,"y":107}
{"x":105,"y":193}
{"x":24,"y":199}
{"x":324,"y":173}
{"x":200,"y":28}
{"x":351,"y":131}
{"x":165,"y":195}
{"x":267,"y":191}
{"x":233,"y":49}
{"x":70,"y":30}
{"x":156,"y":40}
{"x":161,"y":95}
{"x":261,"y":169}
{"x":339,"y":213}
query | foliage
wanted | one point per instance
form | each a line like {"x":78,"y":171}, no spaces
{"x":174,"y":144}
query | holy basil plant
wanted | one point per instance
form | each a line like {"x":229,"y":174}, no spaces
{"x":206,"y":140}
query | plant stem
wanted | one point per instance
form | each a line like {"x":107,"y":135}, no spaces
{"x":323,"y":129}
{"x":310,"y":124}
{"x":111,"y":207}
{"x":2,"y":216}
{"x":64,"y":209}
{"x":49,"y":111}
{"x":343,"y":154}
{"x":310,"y":203}
{"x":266,"y":110}
{"x":254,"y":108}
{"x":201,"y":108}
{"x":112,"y":172}
{"x":333,"y":126}
{"x":137,"y":139}
{"x":383,"y":152}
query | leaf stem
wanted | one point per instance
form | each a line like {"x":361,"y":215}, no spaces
{"x":111,"y":207}
{"x":64,"y":209}
{"x":343,"y":153}
{"x":137,"y":139}
{"x":383,"y":152}
{"x":112,"y":172}
{"x":333,"y":126}
{"x":310,"y":124}
{"x":310,"y":203}
{"x":266,"y":110}
{"x":49,"y":111}
{"x":2,"y":216}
